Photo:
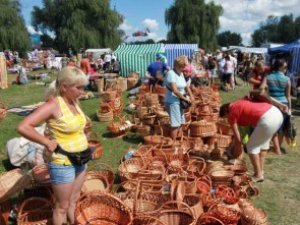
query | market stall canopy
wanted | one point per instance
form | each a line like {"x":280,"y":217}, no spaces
{"x":172,"y":51}
{"x":247,"y":49}
{"x":136,"y":58}
{"x":293,"y":49}
{"x":97,"y":52}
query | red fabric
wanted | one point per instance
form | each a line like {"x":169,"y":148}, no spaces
{"x":247,"y":113}
{"x":259,"y":75}
{"x":85,"y":66}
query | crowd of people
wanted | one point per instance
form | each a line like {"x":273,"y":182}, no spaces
{"x":66,"y":143}
{"x":266,"y":110}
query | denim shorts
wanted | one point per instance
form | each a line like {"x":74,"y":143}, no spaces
{"x":176,"y":114}
{"x":60,"y":174}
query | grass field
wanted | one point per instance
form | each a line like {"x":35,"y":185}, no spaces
{"x":279,"y":193}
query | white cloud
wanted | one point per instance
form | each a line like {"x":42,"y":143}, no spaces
{"x":244,"y":16}
{"x":125,"y":26}
{"x":31,"y":30}
{"x":151,"y":24}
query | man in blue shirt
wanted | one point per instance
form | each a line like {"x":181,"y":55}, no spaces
{"x":156,"y":71}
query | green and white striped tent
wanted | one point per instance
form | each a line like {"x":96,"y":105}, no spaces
{"x":136,"y":58}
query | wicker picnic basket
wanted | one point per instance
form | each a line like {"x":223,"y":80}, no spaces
{"x":12,"y":182}
{"x":3,"y":111}
{"x":104,"y":208}
{"x":35,"y":211}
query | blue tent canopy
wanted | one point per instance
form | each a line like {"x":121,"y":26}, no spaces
{"x":293,"y":49}
{"x":285,"y":48}
{"x":172,"y":51}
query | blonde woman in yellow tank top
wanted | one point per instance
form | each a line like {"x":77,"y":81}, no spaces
{"x":66,"y":122}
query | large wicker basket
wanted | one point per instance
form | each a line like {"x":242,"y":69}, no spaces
{"x":202,"y":129}
{"x":101,"y":207}
{"x":35,"y":211}
{"x":12,"y":182}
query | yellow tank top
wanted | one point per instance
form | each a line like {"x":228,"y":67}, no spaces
{"x":68,"y":131}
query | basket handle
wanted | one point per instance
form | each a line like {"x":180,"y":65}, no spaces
{"x":44,"y":204}
{"x":148,"y":219}
{"x":203,"y":217}
{"x":180,"y":205}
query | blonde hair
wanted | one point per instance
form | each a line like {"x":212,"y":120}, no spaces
{"x":180,"y":61}
{"x":69,"y":75}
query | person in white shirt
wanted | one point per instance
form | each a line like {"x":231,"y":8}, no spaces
{"x":107,"y":61}
{"x":228,"y":73}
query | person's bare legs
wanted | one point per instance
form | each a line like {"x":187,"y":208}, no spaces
{"x":62,"y":194}
{"x":174,"y":133}
{"x":262,"y":157}
{"x":75,"y":195}
{"x":255,"y":160}
{"x":276,"y":145}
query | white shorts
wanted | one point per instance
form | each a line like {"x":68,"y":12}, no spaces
{"x":266,"y":127}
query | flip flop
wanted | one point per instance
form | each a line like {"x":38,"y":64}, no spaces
{"x":257,"y":179}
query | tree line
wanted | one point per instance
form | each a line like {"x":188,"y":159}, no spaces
{"x":84,"y":24}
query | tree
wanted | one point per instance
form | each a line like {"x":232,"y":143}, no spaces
{"x":275,"y":29}
{"x":193,"y":21}
{"x":81,"y":23}
{"x":13,"y":32}
{"x":227,"y":38}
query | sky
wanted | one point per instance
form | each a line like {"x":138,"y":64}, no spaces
{"x":240,"y":16}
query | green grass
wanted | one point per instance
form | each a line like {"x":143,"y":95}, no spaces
{"x":279,"y":193}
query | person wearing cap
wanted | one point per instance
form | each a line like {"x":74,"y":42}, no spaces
{"x":156,"y":71}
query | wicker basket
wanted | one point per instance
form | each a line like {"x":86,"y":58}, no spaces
{"x":222,"y":140}
{"x":5,"y":208}
{"x":148,"y":119}
{"x":202,"y":129}
{"x":176,"y":213}
{"x":129,"y":169}
{"x":12,"y":182}
{"x":146,"y":220}
{"x":101,"y":208}
{"x":105,"y":171}
{"x":41,"y":174}
{"x":95,"y":181}
{"x":109,"y":95}
{"x":96,"y":147}
{"x":35,"y":211}
{"x":105,"y":117}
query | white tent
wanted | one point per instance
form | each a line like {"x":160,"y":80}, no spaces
{"x":97,"y":52}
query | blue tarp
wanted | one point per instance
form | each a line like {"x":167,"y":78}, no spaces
{"x":172,"y":51}
{"x":293,"y":49}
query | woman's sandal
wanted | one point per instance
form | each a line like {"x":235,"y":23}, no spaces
{"x":257,"y":179}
